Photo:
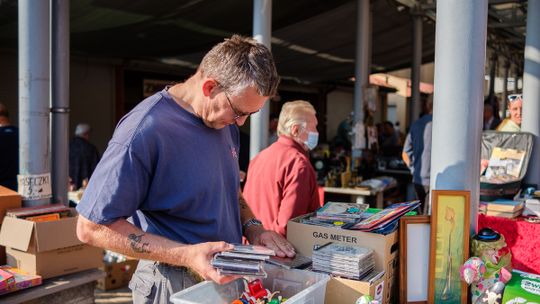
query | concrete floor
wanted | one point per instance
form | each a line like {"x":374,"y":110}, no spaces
{"x":121,"y":295}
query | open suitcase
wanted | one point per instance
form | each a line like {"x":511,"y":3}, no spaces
{"x":506,"y":140}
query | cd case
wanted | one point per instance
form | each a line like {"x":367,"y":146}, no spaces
{"x":253,"y":249}
{"x":298,"y":262}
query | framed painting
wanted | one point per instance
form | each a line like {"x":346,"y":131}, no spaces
{"x":449,"y":245}
{"x":413,"y":258}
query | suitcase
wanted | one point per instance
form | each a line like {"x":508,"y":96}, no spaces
{"x":507,"y":140}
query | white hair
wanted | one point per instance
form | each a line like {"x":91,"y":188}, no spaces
{"x":294,"y":113}
{"x":82,"y":129}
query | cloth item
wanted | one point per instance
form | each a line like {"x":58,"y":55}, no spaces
{"x":281,"y":184}
{"x":508,"y":125}
{"x":9,"y":156}
{"x":418,"y":148}
{"x":154,"y":283}
{"x":175,"y":176}
{"x":83,"y":159}
{"x":522,"y":238}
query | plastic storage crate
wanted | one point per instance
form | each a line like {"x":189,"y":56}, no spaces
{"x":299,"y":286}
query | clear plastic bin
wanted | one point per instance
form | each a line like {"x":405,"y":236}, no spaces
{"x":299,"y":286}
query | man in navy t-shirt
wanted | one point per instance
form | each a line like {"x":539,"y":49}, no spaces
{"x":172,"y":166}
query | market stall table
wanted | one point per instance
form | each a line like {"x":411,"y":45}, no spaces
{"x":358,"y":195}
{"x":72,"y":288}
{"x":522,"y":237}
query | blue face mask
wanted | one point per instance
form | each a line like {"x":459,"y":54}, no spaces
{"x":312,"y":140}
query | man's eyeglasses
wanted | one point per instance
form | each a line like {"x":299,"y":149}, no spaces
{"x":514,"y":97}
{"x":237,"y":114}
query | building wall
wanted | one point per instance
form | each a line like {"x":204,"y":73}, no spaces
{"x":339,"y":104}
{"x":92,"y":95}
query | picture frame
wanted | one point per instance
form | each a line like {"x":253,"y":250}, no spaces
{"x":449,"y":245}
{"x":414,"y":240}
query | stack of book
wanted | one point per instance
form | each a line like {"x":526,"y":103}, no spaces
{"x":353,"y":262}
{"x":502,"y":208}
{"x":244,"y":260}
{"x":44,"y":213}
{"x":385,"y":221}
{"x":337,"y":214}
{"x":13,"y":279}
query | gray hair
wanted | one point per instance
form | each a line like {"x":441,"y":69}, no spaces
{"x":82,"y":129}
{"x":241,"y":62}
{"x":293,"y":113}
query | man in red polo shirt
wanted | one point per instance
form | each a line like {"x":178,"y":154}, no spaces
{"x":281,"y":183}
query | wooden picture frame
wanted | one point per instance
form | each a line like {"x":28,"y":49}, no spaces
{"x":414,"y":239}
{"x":449,"y":245}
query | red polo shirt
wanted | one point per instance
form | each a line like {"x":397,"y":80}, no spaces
{"x":281,"y":184}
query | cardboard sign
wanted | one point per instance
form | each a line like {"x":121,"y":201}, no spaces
{"x":35,"y":186}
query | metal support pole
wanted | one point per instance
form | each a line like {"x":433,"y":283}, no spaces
{"x":361,"y":68}
{"x":416,"y":106}
{"x":262,"y":32}
{"x":492,"y":75}
{"x":60,"y":100}
{"x":502,"y":103}
{"x":458,"y":99}
{"x":531,"y":89}
{"x":34,"y":83}
{"x":516,"y":80}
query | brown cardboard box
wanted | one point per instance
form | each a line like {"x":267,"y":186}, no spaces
{"x":345,"y":291}
{"x":47,"y":248}
{"x":9,"y":199}
{"x":118,"y":274}
{"x":304,"y":237}
{"x":56,"y":262}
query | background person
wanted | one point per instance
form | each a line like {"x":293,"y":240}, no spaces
{"x":417,"y":154}
{"x":9,"y":150}
{"x":490,"y":120}
{"x":83,"y":156}
{"x":281,"y":182}
{"x":513,"y":122}
{"x":172,"y":165}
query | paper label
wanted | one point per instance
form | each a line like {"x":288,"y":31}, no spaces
{"x":37,"y":186}
{"x":379,"y":292}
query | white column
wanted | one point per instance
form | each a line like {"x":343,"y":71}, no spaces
{"x":460,"y":51}
{"x":531,"y":89}
{"x":34,"y":101}
{"x":262,"y":32}
{"x":361,"y":68}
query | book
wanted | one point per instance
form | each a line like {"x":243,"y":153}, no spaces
{"x":49,"y":217}
{"x":504,"y":205}
{"x":348,"y":210}
{"x":38,"y":210}
{"x":504,"y":165}
{"x":504,"y":214}
{"x":22,"y":279}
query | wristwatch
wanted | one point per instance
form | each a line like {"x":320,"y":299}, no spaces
{"x":251,"y":222}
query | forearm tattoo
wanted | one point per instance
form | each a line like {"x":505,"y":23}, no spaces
{"x":136,"y":245}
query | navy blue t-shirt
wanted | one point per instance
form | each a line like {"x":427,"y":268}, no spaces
{"x":177,"y":177}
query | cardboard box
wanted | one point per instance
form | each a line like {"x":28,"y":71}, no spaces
{"x":47,"y":248}
{"x":345,"y":291}
{"x":9,"y":199}
{"x":305,"y":237}
{"x":118,"y":274}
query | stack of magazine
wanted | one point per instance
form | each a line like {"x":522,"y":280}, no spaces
{"x":244,"y":260}
{"x":353,"y":262}
{"x":337,"y":214}
{"x":385,"y":221}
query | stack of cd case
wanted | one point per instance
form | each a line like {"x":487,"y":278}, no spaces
{"x":353,"y":262}
{"x":244,"y":260}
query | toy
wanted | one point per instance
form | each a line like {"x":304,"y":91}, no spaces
{"x":490,"y":264}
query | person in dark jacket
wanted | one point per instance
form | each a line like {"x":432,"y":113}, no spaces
{"x":9,"y":150}
{"x":83,"y":156}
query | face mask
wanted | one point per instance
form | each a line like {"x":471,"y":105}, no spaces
{"x":312,"y":140}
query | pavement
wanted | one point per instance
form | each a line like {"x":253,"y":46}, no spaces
{"x":121,"y":295}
